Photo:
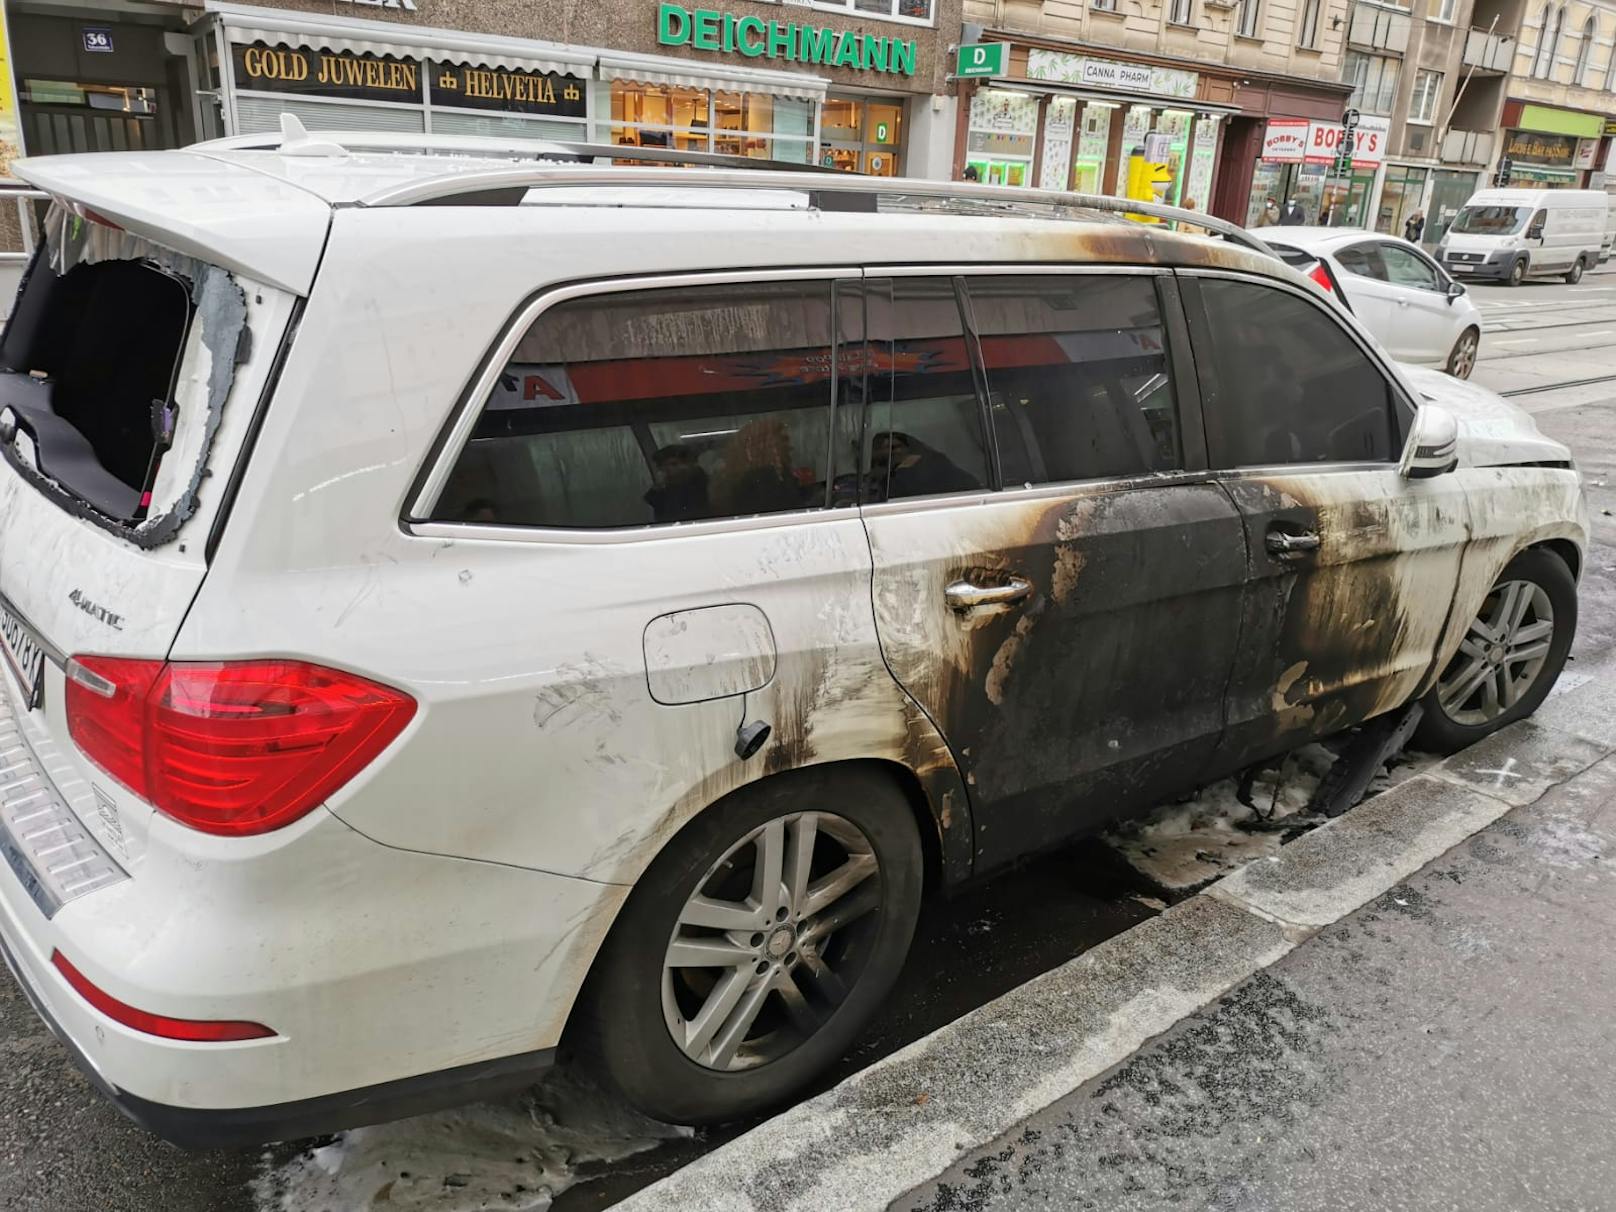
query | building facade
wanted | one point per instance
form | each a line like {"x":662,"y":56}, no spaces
{"x":1241,"y":99}
{"x":1559,"y":117}
{"x":1435,"y":72}
{"x":850,"y":84}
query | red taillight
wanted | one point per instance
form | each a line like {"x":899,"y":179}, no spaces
{"x":1321,"y":275}
{"x":230,"y":747}
{"x":203,"y":1031}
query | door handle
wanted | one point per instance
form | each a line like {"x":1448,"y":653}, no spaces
{"x":1402,"y":302}
{"x":963,"y":595}
{"x":1284,"y":545}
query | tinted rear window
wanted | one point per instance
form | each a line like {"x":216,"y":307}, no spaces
{"x":656,"y":406}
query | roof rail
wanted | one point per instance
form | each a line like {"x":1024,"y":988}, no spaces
{"x":827,"y":191}
{"x":292,"y":138}
{"x":562,"y":164}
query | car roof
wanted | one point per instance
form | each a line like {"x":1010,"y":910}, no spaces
{"x":1320,"y":239}
{"x":267,"y":211}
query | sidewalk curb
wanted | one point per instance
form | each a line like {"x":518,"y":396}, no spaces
{"x":906,"y":1118}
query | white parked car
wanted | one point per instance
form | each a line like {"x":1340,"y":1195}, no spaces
{"x":1414,"y":308}
{"x":456,"y":610}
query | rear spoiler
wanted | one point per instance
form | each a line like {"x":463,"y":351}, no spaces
{"x":244,"y":221}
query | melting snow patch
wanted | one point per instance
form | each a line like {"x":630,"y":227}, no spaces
{"x":515,"y":1155}
{"x":1181,"y":847}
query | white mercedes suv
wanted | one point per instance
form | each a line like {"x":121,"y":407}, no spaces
{"x":457,"y":608}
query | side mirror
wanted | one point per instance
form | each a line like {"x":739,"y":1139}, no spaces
{"x":1455,"y":290}
{"x":1535,"y":232}
{"x":1433,"y":444}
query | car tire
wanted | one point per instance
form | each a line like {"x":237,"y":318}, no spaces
{"x":1517,"y":272}
{"x":1488,"y":685}
{"x":1462,"y":359}
{"x":1574,"y":274}
{"x":643,"y":987}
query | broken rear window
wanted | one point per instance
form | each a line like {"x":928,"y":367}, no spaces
{"x":113,"y":366}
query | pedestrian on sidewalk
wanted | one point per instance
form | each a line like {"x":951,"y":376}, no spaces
{"x":1414,"y":228}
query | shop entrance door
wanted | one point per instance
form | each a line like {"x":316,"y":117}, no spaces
{"x":99,"y":86}
{"x":1449,"y":192}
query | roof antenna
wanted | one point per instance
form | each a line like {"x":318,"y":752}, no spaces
{"x":296,"y":140}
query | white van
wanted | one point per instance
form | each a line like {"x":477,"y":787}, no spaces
{"x":454,"y":608}
{"x":1610,"y":229}
{"x":1514,"y":234}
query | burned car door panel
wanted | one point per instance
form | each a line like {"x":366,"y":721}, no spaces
{"x":1071,"y":637}
{"x":1351,"y":567}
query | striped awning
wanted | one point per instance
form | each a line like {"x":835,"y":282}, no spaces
{"x":244,"y":24}
{"x":662,"y":69}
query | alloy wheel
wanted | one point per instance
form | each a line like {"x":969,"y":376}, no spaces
{"x":1501,"y":656}
{"x":771,"y":941}
{"x":1463,"y":359}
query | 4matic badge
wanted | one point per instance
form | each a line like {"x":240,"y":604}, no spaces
{"x":82,"y":601}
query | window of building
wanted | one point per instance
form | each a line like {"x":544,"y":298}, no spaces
{"x":1427,"y":90}
{"x":1286,"y":382}
{"x":1079,"y":385}
{"x":1307,"y":26}
{"x":1182,"y":12}
{"x":1585,"y":46}
{"x":1374,"y":80}
{"x":1548,"y":41}
{"x":918,"y":11}
{"x":1103,"y":6}
{"x":1250,"y":18}
{"x":925,"y":423}
{"x":656,"y":406}
{"x":1610,"y":68}
{"x":1443,"y":10}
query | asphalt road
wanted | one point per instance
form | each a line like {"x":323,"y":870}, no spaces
{"x":63,"y":1149}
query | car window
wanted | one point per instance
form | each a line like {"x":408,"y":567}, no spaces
{"x":1078,"y":380}
{"x":924,"y":436}
{"x":1362,"y":260}
{"x":1405,"y":268}
{"x":1283,"y":382}
{"x":668,"y":405}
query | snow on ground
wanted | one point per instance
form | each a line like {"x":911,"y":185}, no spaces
{"x":1182,"y":846}
{"x":513,"y":1156}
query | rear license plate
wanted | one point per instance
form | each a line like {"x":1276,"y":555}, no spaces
{"x":23,"y":654}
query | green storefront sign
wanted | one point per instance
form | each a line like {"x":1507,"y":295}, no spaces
{"x":707,"y":29}
{"x":983,"y":59}
{"x":1560,"y":121}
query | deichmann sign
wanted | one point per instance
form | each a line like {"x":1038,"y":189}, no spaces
{"x":983,"y":59}
{"x":707,"y":29}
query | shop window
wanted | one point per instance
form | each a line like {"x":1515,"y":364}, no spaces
{"x":1079,"y":385}
{"x":1002,"y":131}
{"x":925,"y":424}
{"x":763,"y":127}
{"x":1287,"y":384}
{"x":660,"y":115}
{"x":656,"y":406}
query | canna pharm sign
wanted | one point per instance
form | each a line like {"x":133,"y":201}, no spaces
{"x":706,"y":29}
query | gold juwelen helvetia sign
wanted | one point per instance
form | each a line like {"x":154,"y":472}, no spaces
{"x":285,"y":69}
{"x":469,"y":86}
